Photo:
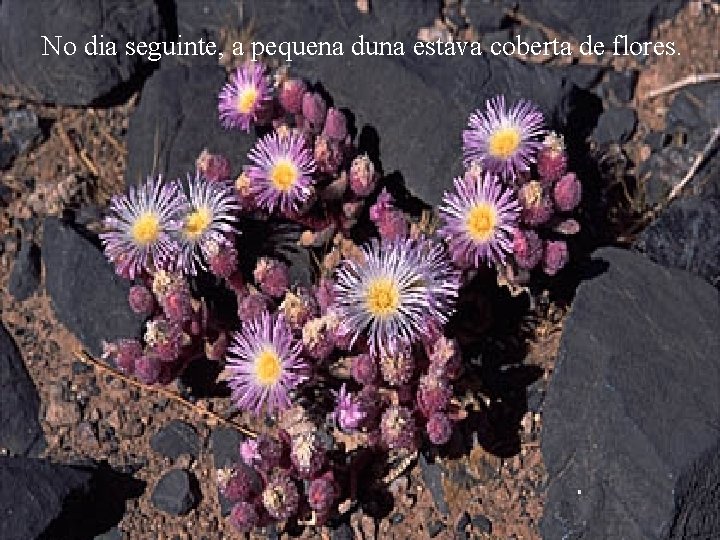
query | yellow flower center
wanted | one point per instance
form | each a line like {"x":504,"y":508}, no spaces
{"x":504,"y":142}
{"x":284,"y":174}
{"x":481,"y":220}
{"x":146,"y":229}
{"x":383,"y":297}
{"x":197,"y":222}
{"x":268,"y":367}
{"x":246,"y":100}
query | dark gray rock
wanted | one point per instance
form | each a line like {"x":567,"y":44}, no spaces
{"x":176,"y":492}
{"x":698,"y":499}
{"x":177,"y":119}
{"x":616,"y":124}
{"x":87,"y":296}
{"x":622,"y":84}
{"x":482,"y":524}
{"x":435,"y":527}
{"x":20,"y":431}
{"x":692,"y":116}
{"x":633,"y":405}
{"x":342,"y":532}
{"x":432,"y":476}
{"x":175,"y":439}
{"x":225,"y":446}
{"x":484,"y":15}
{"x":411,"y":110}
{"x":25,"y":275}
{"x":686,"y":235}
{"x":40,"y":499}
{"x":113,"y":534}
{"x":23,"y":129}
{"x":7,"y":154}
{"x":603,"y":20}
{"x":77,"y":79}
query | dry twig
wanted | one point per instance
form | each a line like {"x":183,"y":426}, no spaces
{"x":174,"y":396}
{"x":686,"y":81}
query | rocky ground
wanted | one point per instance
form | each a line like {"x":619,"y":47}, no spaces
{"x":623,"y":343}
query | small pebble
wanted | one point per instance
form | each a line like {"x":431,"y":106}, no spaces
{"x":435,"y":528}
{"x":482,"y":524}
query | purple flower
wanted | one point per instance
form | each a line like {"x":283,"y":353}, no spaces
{"x":349,"y":412}
{"x":503,"y":141}
{"x":480,"y":216}
{"x":243,"y":97}
{"x":397,"y":287}
{"x":211,"y":214}
{"x":272,"y":275}
{"x":281,"y":174}
{"x":140,"y":228}
{"x":264,"y":364}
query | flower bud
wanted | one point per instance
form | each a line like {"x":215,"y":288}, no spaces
{"x":567,"y":192}
{"x":527,"y":248}
{"x":291,"y":95}
{"x":335,"y":125}
{"x":314,"y":110}
{"x":555,"y":256}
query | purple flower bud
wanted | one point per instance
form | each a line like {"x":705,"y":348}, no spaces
{"x":252,"y":306}
{"x":127,"y":351}
{"x":433,"y":394}
{"x":244,"y":517}
{"x":397,"y":428}
{"x":222,"y":257}
{"x":363,"y":369}
{"x":147,"y":369}
{"x":314,"y":110}
{"x":291,"y":95}
{"x":439,"y":428}
{"x":318,"y":337}
{"x":240,"y":486}
{"x":214,"y":167}
{"x":551,"y":159}
{"x":527,"y":248}
{"x":536,"y":205}
{"x":325,"y":293}
{"x":322,"y":493}
{"x":397,"y":368}
{"x":555,"y":256}
{"x":141,"y":300}
{"x":307,"y":454}
{"x":272,"y":276}
{"x":335,"y":125}
{"x":280,"y":497}
{"x":567,"y":192}
{"x":328,"y":154}
{"x":363,"y":177}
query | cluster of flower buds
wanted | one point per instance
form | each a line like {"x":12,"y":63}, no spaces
{"x":280,"y":479}
{"x":547,"y":202}
{"x":379,"y":310}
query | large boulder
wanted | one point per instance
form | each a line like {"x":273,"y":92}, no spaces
{"x":20,"y":431}
{"x":632,"y":412}
{"x":87,"y":296}
{"x":176,"y":119}
{"x":40,"y":499}
{"x":77,"y":79}
{"x":602,"y":20}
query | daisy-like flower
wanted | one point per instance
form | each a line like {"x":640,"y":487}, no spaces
{"x":281,"y":174}
{"x":140,"y":227}
{"x":480,"y":216}
{"x":503,"y":141}
{"x":210,"y":215}
{"x":398,"y":288}
{"x":243,"y":97}
{"x":264,"y":363}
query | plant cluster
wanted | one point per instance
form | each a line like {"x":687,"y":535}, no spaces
{"x":361,"y":354}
